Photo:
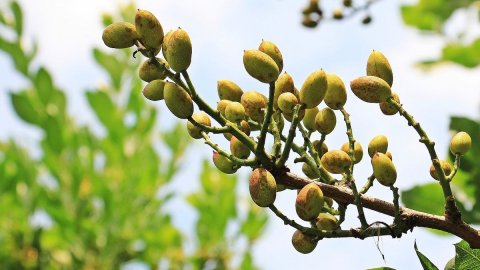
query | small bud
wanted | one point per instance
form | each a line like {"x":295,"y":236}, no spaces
{"x":178,"y":50}
{"x":378,"y":66}
{"x":460,"y":143}
{"x":309,"y":202}
{"x":229,"y":90}
{"x":178,"y":100}
{"x":262,"y":187}
{"x":379,"y":143}
{"x":303,"y":243}
{"x":371,"y":89}
{"x":260,"y":66}
{"x":336,"y":161}
{"x":120,"y":35}
{"x":199,"y":117}
{"x":273,"y":51}
{"x":383,"y":169}
{"x":154,"y":90}
{"x":325,"y":121}
{"x":314,"y":89}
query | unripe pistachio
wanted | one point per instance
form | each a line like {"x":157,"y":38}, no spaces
{"x":460,"y":143}
{"x":337,"y":14}
{"x":313,"y":7}
{"x":120,"y":35}
{"x":450,"y":264}
{"x":178,"y":100}
{"x":260,"y":66}
{"x":244,"y":127}
{"x":254,"y":105}
{"x":222,"y":105}
{"x":326,"y":222}
{"x":303,"y":243}
{"x":383,"y":169}
{"x":234,"y":112}
{"x":379,"y":143}
{"x":238,"y":149}
{"x":371,"y":89}
{"x":289,"y":116}
{"x":154,"y":90}
{"x":314,"y":89}
{"x":325,"y":121}
{"x":309,"y":202}
{"x":273,"y":51}
{"x":223,"y":164}
{"x":336,"y":95}
{"x":446,"y":167}
{"x":149,"y":29}
{"x":378,"y":65}
{"x":336,"y":161}
{"x":357,"y":151}
{"x":309,"y":118}
{"x":165,"y":42}
{"x":283,"y":84}
{"x":262,"y":187}
{"x":199,"y":117}
{"x":178,"y":50}
{"x":287,"y":102}
{"x":321,"y":149}
{"x":152,"y":70}
{"x":388,"y":109}
{"x":309,"y":172}
{"x":229,"y":90}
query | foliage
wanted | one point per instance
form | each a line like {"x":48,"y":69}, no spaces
{"x":91,"y":199}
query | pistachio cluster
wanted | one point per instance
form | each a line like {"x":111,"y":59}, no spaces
{"x":314,"y":12}
{"x":239,"y":114}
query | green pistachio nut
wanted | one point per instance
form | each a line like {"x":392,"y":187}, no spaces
{"x":178,"y":101}
{"x":283,"y":84}
{"x":460,"y":143}
{"x":224,"y":164}
{"x":336,"y":95}
{"x":229,"y":90}
{"x":262,"y":186}
{"x":222,"y":105}
{"x":446,"y":167}
{"x":371,"y":89}
{"x":260,"y":66}
{"x":199,"y":117}
{"x":254,"y":104}
{"x":320,"y":148}
{"x":336,"y":161}
{"x":326,"y":222}
{"x":357,"y":151}
{"x":388,"y":109}
{"x":378,"y":66}
{"x":287,"y":102}
{"x":309,"y":172}
{"x":303,"y":243}
{"x":165,"y":42}
{"x":379,"y":143}
{"x":149,"y":29}
{"x":154,"y":90}
{"x":153,"y":70}
{"x":309,"y":202}
{"x":120,"y":35}
{"x":383,"y":169}
{"x":238,"y":149}
{"x":314,"y":89}
{"x":309,"y":118}
{"x":235,"y":111}
{"x":273,"y":51}
{"x":178,"y":50}
{"x":325,"y":121}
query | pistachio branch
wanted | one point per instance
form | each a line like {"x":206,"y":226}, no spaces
{"x":456,"y":165}
{"x":291,"y":135}
{"x":368,"y":185}
{"x":215,"y":130}
{"x":266,"y":121}
{"x":236,"y":160}
{"x":313,"y":152}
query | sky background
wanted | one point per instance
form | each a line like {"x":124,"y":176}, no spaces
{"x":220,"y":30}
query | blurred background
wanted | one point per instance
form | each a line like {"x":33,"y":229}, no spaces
{"x":94,"y":176}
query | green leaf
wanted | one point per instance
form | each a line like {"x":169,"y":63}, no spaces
{"x":111,"y":65}
{"x":18,"y":15}
{"x":247,"y":262}
{"x":54,"y":134}
{"x":44,"y":84}
{"x":254,"y":223}
{"x":104,"y":108}
{"x":466,"y":258}
{"x":466,"y":55}
{"x":426,"y":198}
{"x":426,"y":263}
{"x":25,"y":108}
{"x":14,"y":50}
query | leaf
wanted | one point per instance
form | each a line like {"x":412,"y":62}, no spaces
{"x":466,"y":55}
{"x":44,"y":84}
{"x":54,"y":134}
{"x":18,"y":15}
{"x":426,"y":198}
{"x":254,"y":223}
{"x":104,"y":108}
{"x":111,"y":65}
{"x":466,"y":258}
{"x":24,"y":108}
{"x":14,"y":50}
{"x":426,"y":263}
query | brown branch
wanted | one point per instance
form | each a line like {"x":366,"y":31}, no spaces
{"x":411,"y":218}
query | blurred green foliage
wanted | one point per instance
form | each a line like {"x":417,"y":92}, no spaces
{"x":101,"y":198}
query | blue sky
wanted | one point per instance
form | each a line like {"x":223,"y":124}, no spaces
{"x":220,"y":31}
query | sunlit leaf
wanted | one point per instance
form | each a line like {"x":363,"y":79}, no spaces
{"x":111,"y":65}
{"x":18,"y":15}
{"x":44,"y":85}
{"x":426,"y":198}
{"x":426,"y":263}
{"x":25,"y":108}
{"x":466,"y":258}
